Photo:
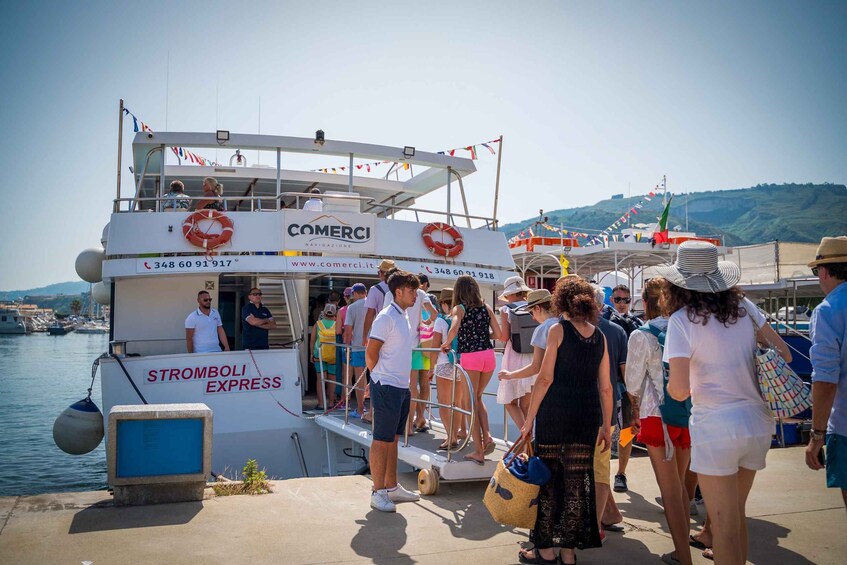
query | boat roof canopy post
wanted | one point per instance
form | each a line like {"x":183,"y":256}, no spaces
{"x":161,"y":191}
{"x":350,"y":176}
{"x":278,"y":177}
{"x":449,"y":177}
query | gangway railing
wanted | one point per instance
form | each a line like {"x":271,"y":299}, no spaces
{"x":350,"y":387}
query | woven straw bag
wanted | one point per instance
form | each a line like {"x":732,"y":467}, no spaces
{"x":510,"y":500}
{"x":783,"y":391}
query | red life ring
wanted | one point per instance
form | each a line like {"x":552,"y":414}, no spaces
{"x":208,"y":241}
{"x":441,"y":248}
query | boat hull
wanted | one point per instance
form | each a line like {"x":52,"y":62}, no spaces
{"x":255,"y":398}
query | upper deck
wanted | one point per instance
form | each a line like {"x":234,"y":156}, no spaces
{"x":363,"y":217}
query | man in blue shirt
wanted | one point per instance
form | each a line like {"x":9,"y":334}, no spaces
{"x":257,"y":320}
{"x":829,"y":365}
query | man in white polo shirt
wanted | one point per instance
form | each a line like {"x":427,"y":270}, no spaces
{"x":203,"y":327}
{"x":388,"y":357}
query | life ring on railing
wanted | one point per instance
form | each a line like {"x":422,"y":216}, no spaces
{"x":208,"y":241}
{"x":441,"y":248}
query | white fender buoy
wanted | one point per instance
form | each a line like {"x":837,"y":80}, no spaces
{"x":89,"y":264}
{"x":102,"y":293}
{"x":105,"y":237}
{"x":79,"y":428}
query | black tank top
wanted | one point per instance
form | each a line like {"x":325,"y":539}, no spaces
{"x":473,"y":331}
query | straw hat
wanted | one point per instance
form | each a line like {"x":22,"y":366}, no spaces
{"x":386,"y":265}
{"x":697,"y":268}
{"x":831,"y":250}
{"x":513,"y":285}
{"x":446,"y":295}
{"x":536,"y":297}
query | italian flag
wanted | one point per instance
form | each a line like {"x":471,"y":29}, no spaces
{"x":661,"y":233}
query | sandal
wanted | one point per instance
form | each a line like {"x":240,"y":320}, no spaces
{"x":478,"y":462}
{"x":695,"y":543}
{"x":422,"y":428}
{"x":523,"y":557}
{"x":613,"y":527}
{"x":490,"y":447}
{"x":709,"y":554}
{"x":445,"y":444}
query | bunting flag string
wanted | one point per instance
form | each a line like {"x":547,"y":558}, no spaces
{"x":181,"y":153}
{"x":602,"y":236}
{"x":472,"y":149}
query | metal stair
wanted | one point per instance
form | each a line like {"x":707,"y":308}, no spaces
{"x":274,"y":297}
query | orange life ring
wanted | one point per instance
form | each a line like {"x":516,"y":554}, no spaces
{"x":208,"y":241}
{"x":441,"y":248}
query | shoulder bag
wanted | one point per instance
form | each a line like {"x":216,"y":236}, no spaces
{"x":781,"y":388}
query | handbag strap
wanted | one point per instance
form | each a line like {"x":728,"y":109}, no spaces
{"x":513,"y":450}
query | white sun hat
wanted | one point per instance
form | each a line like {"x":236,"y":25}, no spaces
{"x":697,"y":268}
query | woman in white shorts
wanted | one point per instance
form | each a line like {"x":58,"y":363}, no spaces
{"x":444,"y":370}
{"x":710,"y":341}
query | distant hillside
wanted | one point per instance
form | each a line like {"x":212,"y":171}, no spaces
{"x":66,"y":288}
{"x":788,"y":212}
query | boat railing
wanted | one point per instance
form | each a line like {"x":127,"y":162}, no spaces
{"x":458,"y":373}
{"x":350,"y":387}
{"x":273,"y":203}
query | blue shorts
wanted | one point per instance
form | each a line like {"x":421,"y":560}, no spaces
{"x":390,"y":409}
{"x":836,"y":461}
{"x":357,"y":358}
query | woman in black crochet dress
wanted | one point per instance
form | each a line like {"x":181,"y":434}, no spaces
{"x":571,"y":401}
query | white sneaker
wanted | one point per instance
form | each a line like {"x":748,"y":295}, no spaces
{"x":381,"y":502}
{"x":399,"y":494}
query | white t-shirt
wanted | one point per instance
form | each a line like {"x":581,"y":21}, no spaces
{"x":391,"y":327}
{"x":414,"y":311}
{"x":539,"y":334}
{"x":441,"y":327}
{"x":377,"y":300}
{"x":314,"y":205}
{"x":205,"y":328}
{"x":724,"y":394}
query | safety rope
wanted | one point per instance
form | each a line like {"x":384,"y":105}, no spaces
{"x":304,"y":416}
{"x":94,"y":367}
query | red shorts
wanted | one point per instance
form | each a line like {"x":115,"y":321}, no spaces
{"x":651,"y":434}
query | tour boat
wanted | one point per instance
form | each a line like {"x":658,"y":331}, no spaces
{"x":156,"y":260}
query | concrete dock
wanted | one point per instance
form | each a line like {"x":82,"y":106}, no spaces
{"x":793,"y":518}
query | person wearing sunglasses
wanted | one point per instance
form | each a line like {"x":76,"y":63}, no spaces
{"x":257,"y":322}
{"x":620,"y":315}
{"x":829,"y":366}
{"x":204,"y":332}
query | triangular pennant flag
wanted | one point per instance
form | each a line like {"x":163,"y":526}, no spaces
{"x":491,"y":149}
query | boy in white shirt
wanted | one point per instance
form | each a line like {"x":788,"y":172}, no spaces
{"x":388,"y":357}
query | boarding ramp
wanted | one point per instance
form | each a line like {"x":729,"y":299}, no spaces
{"x":420,"y":451}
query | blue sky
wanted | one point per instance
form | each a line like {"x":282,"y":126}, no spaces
{"x":593,"y":98}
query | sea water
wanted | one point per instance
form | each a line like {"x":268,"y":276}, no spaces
{"x":41,"y":375}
